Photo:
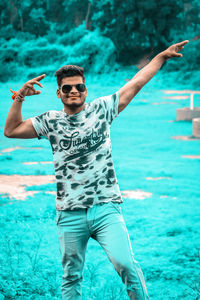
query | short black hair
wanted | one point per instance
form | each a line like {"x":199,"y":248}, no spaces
{"x":68,"y":71}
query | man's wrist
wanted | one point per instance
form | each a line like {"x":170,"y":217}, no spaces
{"x":19,"y":97}
{"x":21,"y":93}
{"x":163,"y":56}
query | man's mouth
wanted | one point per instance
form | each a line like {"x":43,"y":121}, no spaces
{"x":73,"y":97}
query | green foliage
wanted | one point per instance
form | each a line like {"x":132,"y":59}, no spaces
{"x":90,"y":53}
{"x":80,"y":46}
{"x":145,"y":25}
{"x":109,"y":30}
{"x":7,"y":32}
{"x":39,"y":23}
{"x":73,"y":36}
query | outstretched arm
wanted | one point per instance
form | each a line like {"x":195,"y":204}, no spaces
{"x":131,"y":88}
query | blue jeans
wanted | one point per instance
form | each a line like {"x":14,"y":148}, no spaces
{"x":103,"y":222}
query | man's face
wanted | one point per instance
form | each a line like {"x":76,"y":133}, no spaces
{"x":74,"y":98}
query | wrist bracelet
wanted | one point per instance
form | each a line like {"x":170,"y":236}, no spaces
{"x":17,"y":96}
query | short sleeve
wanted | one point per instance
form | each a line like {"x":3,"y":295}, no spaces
{"x":111,"y":104}
{"x":40,"y":125}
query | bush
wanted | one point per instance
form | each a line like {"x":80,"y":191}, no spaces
{"x":42,"y":56}
{"x":7,"y":32}
{"x":93,"y":52}
{"x":11,"y":70}
{"x":73,"y":36}
{"x":88,"y":49}
{"x":8,"y":55}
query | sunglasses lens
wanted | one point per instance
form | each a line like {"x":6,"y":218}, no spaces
{"x":80,"y":87}
{"x":66,"y":88}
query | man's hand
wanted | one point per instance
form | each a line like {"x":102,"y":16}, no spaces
{"x":130,"y":89}
{"x":28,"y":88}
{"x":173,"y":50}
{"x":15,"y":127}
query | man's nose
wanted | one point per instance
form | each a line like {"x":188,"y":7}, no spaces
{"x":74,"y":89}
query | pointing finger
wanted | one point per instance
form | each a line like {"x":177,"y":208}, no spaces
{"x":39,"y":77}
{"x":183,"y":43}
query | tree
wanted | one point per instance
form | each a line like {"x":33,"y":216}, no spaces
{"x":136,"y":26}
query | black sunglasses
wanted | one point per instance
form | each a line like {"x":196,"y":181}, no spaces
{"x":66,"y":88}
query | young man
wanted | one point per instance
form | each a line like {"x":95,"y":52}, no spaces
{"x":88,"y":196}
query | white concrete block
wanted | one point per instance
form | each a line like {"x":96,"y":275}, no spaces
{"x":187,"y":114}
{"x":196,"y":127}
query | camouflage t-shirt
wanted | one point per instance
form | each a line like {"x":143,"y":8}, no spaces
{"x":82,"y":153}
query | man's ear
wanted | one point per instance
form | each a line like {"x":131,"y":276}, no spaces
{"x":58,"y":93}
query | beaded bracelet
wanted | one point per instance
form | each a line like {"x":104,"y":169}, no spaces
{"x":17,"y":96}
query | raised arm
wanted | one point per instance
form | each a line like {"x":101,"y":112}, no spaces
{"x":131,"y":88}
{"x":15,"y":127}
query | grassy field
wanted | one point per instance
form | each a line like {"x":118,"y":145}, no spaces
{"x":158,"y":174}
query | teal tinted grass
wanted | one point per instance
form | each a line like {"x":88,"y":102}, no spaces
{"x":163,"y":228}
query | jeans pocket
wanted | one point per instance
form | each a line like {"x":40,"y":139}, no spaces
{"x":116,"y":205}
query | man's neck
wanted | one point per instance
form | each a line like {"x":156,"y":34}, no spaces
{"x":71,"y":111}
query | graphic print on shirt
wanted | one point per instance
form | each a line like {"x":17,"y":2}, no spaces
{"x":82,"y":153}
{"x":78,"y":146}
